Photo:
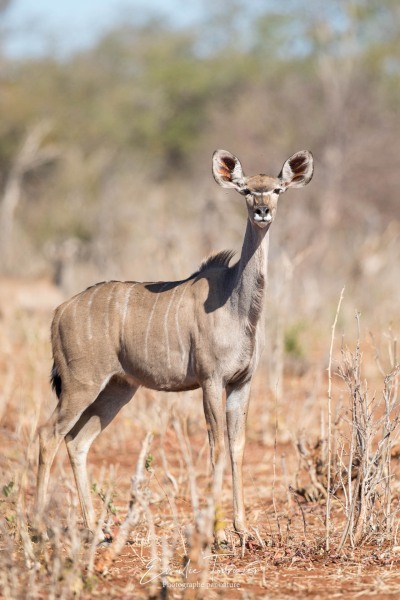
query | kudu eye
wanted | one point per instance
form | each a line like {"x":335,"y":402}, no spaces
{"x":278,"y":190}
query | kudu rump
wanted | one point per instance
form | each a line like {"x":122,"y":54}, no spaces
{"x":204,"y":331}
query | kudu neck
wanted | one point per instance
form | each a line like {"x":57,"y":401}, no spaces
{"x":251,"y":272}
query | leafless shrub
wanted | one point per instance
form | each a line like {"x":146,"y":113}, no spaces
{"x":357,"y":472}
{"x":374,"y":424}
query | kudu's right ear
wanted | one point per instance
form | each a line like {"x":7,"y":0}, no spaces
{"x":227,"y":170}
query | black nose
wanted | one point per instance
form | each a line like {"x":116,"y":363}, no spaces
{"x":261,"y":211}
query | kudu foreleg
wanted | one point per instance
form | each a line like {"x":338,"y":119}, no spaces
{"x":213,"y":410}
{"x":237,"y":405}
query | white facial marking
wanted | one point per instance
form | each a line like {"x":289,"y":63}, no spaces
{"x":273,"y":192}
{"x":267,"y":218}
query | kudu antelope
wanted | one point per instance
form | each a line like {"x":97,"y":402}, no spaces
{"x":204,"y":331}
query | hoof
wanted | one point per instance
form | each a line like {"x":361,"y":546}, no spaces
{"x":104,"y":539}
{"x":248,"y":539}
{"x":244,"y":533}
{"x":221,"y":544}
{"x":39,"y":534}
{"x":222,"y":547}
{"x":105,"y":543}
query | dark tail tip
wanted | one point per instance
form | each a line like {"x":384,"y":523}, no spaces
{"x":55,"y":380}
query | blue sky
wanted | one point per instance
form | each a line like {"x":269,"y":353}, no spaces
{"x":37,"y":26}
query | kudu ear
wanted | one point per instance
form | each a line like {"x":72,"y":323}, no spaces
{"x":298,"y":170}
{"x":227,"y":170}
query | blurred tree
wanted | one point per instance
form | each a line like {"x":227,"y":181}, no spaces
{"x":32,"y":155}
{"x":153,"y":98}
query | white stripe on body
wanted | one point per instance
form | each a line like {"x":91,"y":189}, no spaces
{"x":166,"y":327}
{"x":74,"y":310}
{"x":146,"y":338}
{"x":178,"y":331}
{"x":89,"y":321}
{"x":126,"y":304}
{"x":109,"y":299}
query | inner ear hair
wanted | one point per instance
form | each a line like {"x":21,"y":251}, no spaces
{"x":298,"y":164}
{"x":225,"y":173}
{"x":298,"y":179}
{"x":229,"y":163}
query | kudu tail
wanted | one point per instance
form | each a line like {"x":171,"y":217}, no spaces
{"x":55,"y":380}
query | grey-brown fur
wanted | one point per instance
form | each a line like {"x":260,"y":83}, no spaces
{"x":205,"y":331}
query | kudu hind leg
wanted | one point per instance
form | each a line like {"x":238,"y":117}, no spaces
{"x":91,"y":423}
{"x":237,"y":405}
{"x":51,"y":435}
{"x":49,"y":441}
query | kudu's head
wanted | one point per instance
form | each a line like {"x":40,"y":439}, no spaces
{"x":261,"y":191}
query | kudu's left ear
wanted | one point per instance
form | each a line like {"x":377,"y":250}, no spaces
{"x":298,"y":170}
{"x":227,"y":170}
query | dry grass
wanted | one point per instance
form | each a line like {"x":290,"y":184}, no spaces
{"x":161,"y":520}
